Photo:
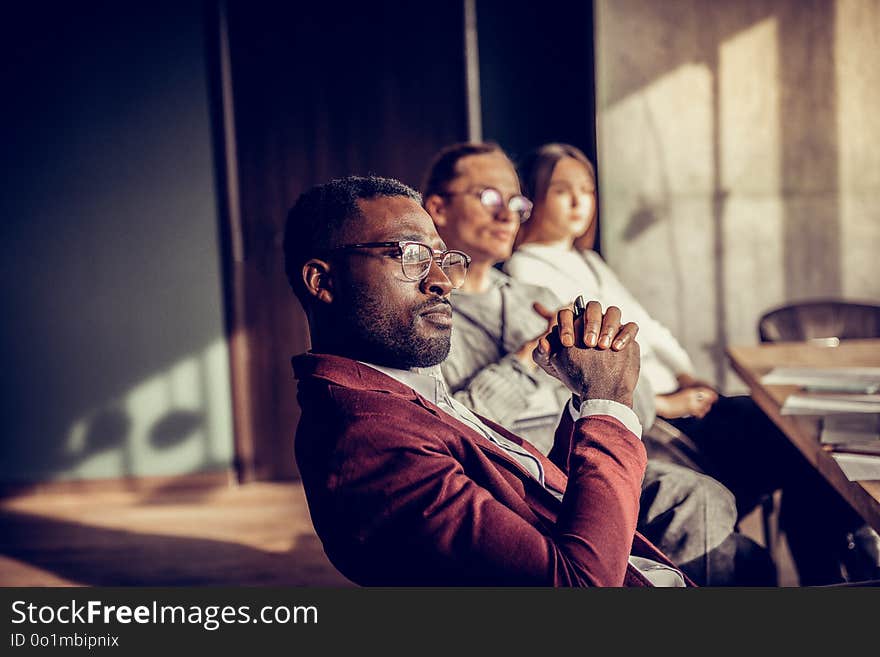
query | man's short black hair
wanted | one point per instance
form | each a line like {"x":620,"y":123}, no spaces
{"x":320,"y":214}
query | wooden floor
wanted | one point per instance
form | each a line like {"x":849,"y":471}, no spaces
{"x":256,"y":534}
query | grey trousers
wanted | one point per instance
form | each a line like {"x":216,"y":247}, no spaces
{"x":692,"y":518}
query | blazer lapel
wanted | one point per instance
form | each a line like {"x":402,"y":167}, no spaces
{"x":553,"y":476}
{"x":475,"y":436}
{"x":349,"y":373}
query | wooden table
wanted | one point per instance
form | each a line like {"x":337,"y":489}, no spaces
{"x":751,"y":363}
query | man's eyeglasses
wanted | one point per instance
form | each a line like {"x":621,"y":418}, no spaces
{"x":416,"y":258}
{"x":493,"y":201}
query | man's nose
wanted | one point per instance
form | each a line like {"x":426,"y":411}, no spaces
{"x":436,"y":282}
{"x":506,"y":215}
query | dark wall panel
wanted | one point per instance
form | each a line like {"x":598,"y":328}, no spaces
{"x":320,"y":91}
{"x":108,"y":245}
{"x":536,"y":73}
{"x":537,"y":76}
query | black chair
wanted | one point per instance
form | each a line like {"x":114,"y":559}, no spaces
{"x":825,"y":320}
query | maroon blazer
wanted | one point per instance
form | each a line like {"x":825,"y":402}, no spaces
{"x":403,"y":494}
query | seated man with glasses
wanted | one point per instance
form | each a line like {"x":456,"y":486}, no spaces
{"x":472,"y":193}
{"x":405,"y":485}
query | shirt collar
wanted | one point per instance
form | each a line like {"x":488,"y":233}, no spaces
{"x":427,"y":381}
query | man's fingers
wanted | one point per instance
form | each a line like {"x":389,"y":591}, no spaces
{"x":565,"y":327}
{"x":592,"y":323}
{"x":547,"y":346}
{"x":625,"y":335}
{"x":610,"y":327}
{"x":541,"y":354}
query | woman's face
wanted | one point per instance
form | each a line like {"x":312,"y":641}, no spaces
{"x":570,"y":205}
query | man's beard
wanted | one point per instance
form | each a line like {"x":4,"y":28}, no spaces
{"x":384,"y":338}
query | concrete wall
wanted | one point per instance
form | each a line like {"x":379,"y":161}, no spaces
{"x":113,"y":350}
{"x":737,"y":159}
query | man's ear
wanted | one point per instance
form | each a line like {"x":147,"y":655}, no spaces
{"x":317,"y":279}
{"x":436,"y":207}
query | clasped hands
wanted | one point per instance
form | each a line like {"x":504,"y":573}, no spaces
{"x":593,"y":355}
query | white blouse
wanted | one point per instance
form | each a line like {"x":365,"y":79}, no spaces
{"x":568,"y":273}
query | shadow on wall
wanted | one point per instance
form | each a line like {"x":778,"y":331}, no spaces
{"x":109,"y":433}
{"x":645,"y":215}
{"x":806,"y":150}
{"x":175,"y":427}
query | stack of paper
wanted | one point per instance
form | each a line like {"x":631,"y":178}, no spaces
{"x":828,"y":404}
{"x":853,"y":433}
{"x":856,"y":380}
{"x":858,"y":467}
{"x":847,"y":399}
{"x":854,"y":442}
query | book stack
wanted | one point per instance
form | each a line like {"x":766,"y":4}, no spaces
{"x":847,"y":399}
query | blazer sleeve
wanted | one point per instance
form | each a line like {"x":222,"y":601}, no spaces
{"x":405,"y":511}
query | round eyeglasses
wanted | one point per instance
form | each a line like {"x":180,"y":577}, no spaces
{"x":493,"y":201}
{"x":416,"y":258}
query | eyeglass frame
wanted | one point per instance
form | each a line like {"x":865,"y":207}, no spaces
{"x":479,"y":195}
{"x":436,"y":255}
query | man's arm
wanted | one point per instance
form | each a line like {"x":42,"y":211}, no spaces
{"x":418,"y":518}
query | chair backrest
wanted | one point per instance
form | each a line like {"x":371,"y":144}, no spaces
{"x":820,"y":319}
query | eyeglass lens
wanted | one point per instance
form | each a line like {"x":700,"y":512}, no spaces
{"x":417,"y":259}
{"x":492,"y":199}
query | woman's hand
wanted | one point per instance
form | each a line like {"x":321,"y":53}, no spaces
{"x":695,"y":401}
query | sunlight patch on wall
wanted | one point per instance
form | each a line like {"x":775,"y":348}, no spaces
{"x":857,"y":60}
{"x":750,"y":173}
{"x":656,"y":176}
{"x":176,"y":422}
{"x":658,"y":142}
{"x":748,"y":79}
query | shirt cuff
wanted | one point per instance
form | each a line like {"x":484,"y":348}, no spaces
{"x":618,"y":411}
